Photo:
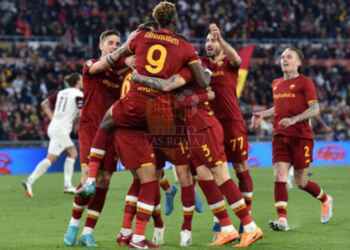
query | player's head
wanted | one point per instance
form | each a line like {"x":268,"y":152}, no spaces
{"x":212,"y":46}
{"x":109,"y":41}
{"x":291,"y":59}
{"x":150,"y":25}
{"x":74,"y":80}
{"x":165,"y":14}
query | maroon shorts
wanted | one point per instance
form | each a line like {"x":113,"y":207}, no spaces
{"x":206,"y":140}
{"x":134,"y":148}
{"x":294,"y":150}
{"x":236,"y":141}
{"x":130,"y":112}
{"x":86,"y":136}
{"x":176,"y":155}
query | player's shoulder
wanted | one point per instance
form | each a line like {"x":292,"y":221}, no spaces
{"x":305,"y":79}
{"x":277,"y":80}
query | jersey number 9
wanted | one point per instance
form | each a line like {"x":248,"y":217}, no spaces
{"x":155,"y":66}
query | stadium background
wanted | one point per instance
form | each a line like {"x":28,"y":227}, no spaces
{"x":43,"y":40}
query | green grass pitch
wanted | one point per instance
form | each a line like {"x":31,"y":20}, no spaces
{"x":39,"y":223}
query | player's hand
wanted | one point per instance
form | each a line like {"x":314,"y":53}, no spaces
{"x":88,"y":188}
{"x":256,"y":120}
{"x":286,"y":122}
{"x":215,"y":31}
{"x":131,"y":36}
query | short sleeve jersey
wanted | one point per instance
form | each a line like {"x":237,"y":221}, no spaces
{"x":161,"y":53}
{"x":224,"y":84}
{"x":292,"y":97}
{"x":100,"y":91}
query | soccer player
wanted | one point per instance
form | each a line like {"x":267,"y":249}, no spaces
{"x":223,"y":60}
{"x":160,"y":53}
{"x":205,"y":137}
{"x":101,"y":90}
{"x":68,"y":103}
{"x":294,"y":104}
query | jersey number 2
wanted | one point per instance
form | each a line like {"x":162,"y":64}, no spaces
{"x":155,"y":66}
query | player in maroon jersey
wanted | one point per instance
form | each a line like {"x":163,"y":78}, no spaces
{"x":294,"y":104}
{"x":160,"y":53}
{"x":223,"y":60}
{"x":101,"y":89}
{"x":205,"y":136}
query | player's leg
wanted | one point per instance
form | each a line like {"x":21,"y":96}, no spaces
{"x":281,"y":196}
{"x":216,"y":204}
{"x":68,"y":167}
{"x":95,"y":207}
{"x":131,"y":198}
{"x":149,"y":191}
{"x":80,"y":202}
{"x":302,"y":157}
{"x":159,"y":228}
{"x":245,"y":182}
{"x":188,"y":202}
{"x":54,"y":150}
{"x":251,"y":232}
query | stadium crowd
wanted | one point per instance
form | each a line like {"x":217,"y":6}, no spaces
{"x":78,"y":19}
{"x":27,"y":75}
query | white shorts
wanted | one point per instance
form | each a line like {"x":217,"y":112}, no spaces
{"x":59,"y":142}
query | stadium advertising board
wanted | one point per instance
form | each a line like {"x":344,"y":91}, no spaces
{"x":17,"y":161}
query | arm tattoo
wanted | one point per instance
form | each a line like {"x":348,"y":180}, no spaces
{"x":152,"y":82}
{"x":312,"y":111}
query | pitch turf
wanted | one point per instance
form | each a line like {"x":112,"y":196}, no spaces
{"x":39,"y":223}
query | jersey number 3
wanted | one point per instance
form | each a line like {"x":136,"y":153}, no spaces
{"x":155,"y":66}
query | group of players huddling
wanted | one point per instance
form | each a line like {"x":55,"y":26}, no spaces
{"x":153,"y":99}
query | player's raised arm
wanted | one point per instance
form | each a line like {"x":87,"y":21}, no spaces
{"x":45,"y":106}
{"x":228,"y":50}
{"x":165,"y":85}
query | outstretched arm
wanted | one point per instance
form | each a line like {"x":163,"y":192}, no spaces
{"x":259,"y":116}
{"x":165,"y":85}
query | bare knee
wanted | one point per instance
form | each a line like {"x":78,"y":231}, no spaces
{"x":204,"y":174}
{"x":281,"y":171}
{"x":241,"y":167}
{"x":184,"y":175}
{"x":221,"y":174}
{"x":300,"y":178}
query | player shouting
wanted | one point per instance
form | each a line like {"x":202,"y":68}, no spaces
{"x":295,"y":103}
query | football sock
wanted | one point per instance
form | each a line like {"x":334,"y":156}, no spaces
{"x":281,"y":199}
{"x":79,"y":205}
{"x":314,"y":189}
{"x":145,"y":206}
{"x":68,"y":171}
{"x":130,"y":204}
{"x":188,"y":205}
{"x":39,"y":170}
{"x":246,"y":186}
{"x":95,"y":207}
{"x":157,"y":215}
{"x":216,"y":203}
{"x":234,"y":198}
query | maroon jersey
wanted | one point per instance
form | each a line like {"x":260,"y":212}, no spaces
{"x":292,"y":97}
{"x":224,"y":84}
{"x":100,"y":91}
{"x":160,"y":53}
